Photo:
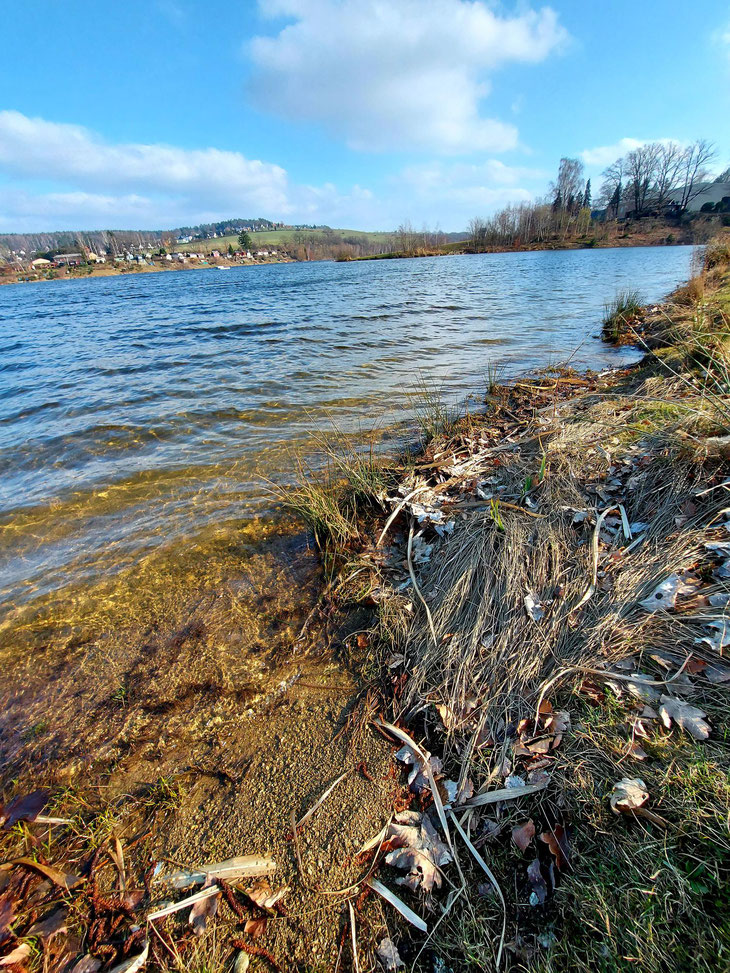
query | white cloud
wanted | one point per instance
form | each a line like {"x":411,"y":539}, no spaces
{"x":604,"y":155}
{"x":147,"y":186}
{"x":62,"y":152}
{"x":399,"y":74}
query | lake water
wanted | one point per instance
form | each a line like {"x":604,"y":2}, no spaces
{"x":138,"y":411}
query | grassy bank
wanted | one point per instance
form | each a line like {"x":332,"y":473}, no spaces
{"x":549,"y":596}
{"x":499,"y":738}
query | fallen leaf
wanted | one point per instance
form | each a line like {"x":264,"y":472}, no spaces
{"x":63,"y":880}
{"x":558,"y":724}
{"x":523,"y":835}
{"x":7,"y":915}
{"x":418,"y":778}
{"x":53,"y":923}
{"x":628,"y":795}
{"x":17,"y":955}
{"x":537,"y":883}
{"x":638,"y":687}
{"x":264,"y":896}
{"x":533,"y":607}
{"x":557,"y":842}
{"x":255,"y":928}
{"x":721,"y":640}
{"x":636,"y":751}
{"x":664,"y":596}
{"x":688,"y":717}
{"x":25,"y":808}
{"x":203,"y":910}
{"x":420,"y":851}
{"x":389,"y":956}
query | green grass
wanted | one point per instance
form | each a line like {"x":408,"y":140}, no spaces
{"x":621,"y":313}
{"x":281,"y":238}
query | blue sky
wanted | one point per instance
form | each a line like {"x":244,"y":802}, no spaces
{"x":362,"y":113}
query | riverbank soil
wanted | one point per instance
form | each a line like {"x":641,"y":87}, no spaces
{"x":176,"y":728}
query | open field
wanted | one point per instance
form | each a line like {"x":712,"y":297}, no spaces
{"x":288,"y":238}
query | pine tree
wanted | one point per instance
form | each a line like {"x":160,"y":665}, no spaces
{"x":587,"y":196}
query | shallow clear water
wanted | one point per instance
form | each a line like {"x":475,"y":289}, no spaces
{"x":136,"y":411}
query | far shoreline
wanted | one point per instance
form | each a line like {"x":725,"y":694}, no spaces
{"x":450,"y":251}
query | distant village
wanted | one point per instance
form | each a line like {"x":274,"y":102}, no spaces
{"x":49,"y":256}
{"x":31,"y":264}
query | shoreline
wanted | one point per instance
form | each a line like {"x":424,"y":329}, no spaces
{"x":362,"y":617}
{"x":446,"y":251}
{"x":106,"y":271}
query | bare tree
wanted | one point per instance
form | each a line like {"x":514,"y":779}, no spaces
{"x":569,"y":186}
{"x":478,"y":232}
{"x":641,"y":169}
{"x":693,"y":171}
{"x":612,"y":187}
{"x":668,"y":168}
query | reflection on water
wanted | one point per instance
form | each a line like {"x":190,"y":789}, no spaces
{"x":135,"y":412}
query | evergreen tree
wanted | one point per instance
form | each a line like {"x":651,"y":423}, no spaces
{"x":244,"y":241}
{"x":587,"y":196}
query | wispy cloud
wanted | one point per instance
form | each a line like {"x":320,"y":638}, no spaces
{"x":471,"y":188}
{"x":407,"y":74}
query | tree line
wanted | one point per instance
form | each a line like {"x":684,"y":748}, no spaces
{"x":659,"y":178}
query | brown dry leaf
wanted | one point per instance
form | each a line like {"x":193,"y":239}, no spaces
{"x":264,"y":896}
{"x":628,"y":795}
{"x":557,"y":842}
{"x":636,"y":751}
{"x":592,"y":692}
{"x":26,"y":808}
{"x":20,"y":953}
{"x":523,"y":835}
{"x":52,"y":924}
{"x":7,"y":915}
{"x":688,"y":717}
{"x":363,"y":641}
{"x":538,"y":887}
{"x":63,"y":880}
{"x":255,"y":928}
{"x":558,"y":724}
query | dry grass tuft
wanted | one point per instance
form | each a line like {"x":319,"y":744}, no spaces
{"x":488,"y":647}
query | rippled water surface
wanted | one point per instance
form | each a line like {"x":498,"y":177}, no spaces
{"x":137,"y":411}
